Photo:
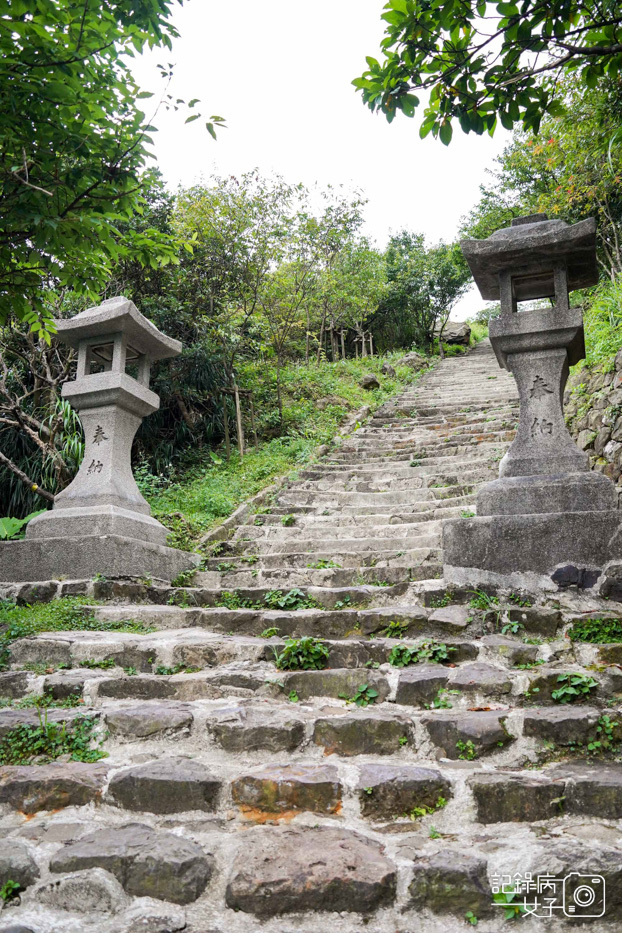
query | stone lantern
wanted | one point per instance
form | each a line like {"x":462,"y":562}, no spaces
{"x":101,"y":523}
{"x":548,"y":519}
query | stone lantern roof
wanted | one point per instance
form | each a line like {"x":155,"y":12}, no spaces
{"x":531,"y":249}
{"x":119,"y":316}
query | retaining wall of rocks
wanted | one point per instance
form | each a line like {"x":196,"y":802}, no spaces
{"x":593,"y":407}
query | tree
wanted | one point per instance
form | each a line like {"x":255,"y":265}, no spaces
{"x":423,"y":284}
{"x":237,"y":227}
{"x":484,"y":61}
{"x":74,"y":146}
{"x":571,"y":170}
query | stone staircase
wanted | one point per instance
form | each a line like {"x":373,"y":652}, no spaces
{"x":394,"y":788}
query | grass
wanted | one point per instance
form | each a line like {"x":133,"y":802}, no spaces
{"x":596,"y":631}
{"x":47,"y":741}
{"x":603,"y":324}
{"x":204,"y":494}
{"x":60,"y":615}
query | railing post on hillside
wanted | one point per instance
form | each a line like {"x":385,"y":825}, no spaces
{"x":343,"y":346}
{"x":371,"y":344}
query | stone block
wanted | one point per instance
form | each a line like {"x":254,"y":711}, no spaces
{"x":335,"y":683}
{"x":511,"y":798}
{"x":486,"y":731}
{"x":481,"y":678}
{"x":451,"y":883}
{"x":168,"y":785}
{"x":563,"y":725}
{"x":86,"y":556}
{"x":535,"y":495}
{"x":13,"y":684}
{"x":147,"y":863}
{"x":283,"y":789}
{"x":149,"y":719}
{"x":239,"y":729}
{"x":537,"y":620}
{"x":363,"y":733}
{"x":284,"y":870}
{"x":16,"y":864}
{"x":389,"y":791}
{"x":489,"y":544}
{"x":83,"y":892}
{"x":510,"y":649}
{"x":51,"y":787}
{"x":593,"y":790}
{"x":418,"y":686}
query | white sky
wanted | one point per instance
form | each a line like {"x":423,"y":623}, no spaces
{"x":280,"y":72}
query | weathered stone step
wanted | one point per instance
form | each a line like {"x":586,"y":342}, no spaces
{"x":359,"y":516}
{"x":414,"y":619}
{"x":419,"y":534}
{"x":398,"y":556}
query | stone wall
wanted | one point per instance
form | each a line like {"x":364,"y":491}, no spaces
{"x":593,"y":408}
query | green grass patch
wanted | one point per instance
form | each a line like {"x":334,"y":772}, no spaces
{"x":59,"y":615}
{"x":48,"y":741}
{"x":596,"y":631}
{"x":316,"y":400}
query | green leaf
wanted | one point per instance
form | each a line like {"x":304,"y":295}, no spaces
{"x":445,"y":132}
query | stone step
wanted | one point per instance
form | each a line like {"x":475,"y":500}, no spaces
{"x":329,"y":532}
{"x":326,"y":623}
{"x":398,"y":556}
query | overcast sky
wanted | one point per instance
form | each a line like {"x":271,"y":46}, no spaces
{"x":280,"y":72}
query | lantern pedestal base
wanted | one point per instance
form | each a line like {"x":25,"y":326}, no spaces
{"x":95,"y":521}
{"x":79,"y":558}
{"x":542,"y":551}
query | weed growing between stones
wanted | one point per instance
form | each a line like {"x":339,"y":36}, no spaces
{"x":523,"y":602}
{"x":270,"y":632}
{"x":418,"y":813}
{"x":596,"y":631}
{"x":395,"y":629}
{"x":426,"y":651}
{"x":36,"y":700}
{"x":60,"y":615}
{"x":48,"y":741}
{"x":103,"y":665}
{"x":467,"y":750}
{"x":302,"y":654}
{"x":505,"y":898}
{"x":164,"y":671}
{"x":274,"y":599}
{"x":441,"y":700}
{"x":470,"y":917}
{"x":482,"y":601}
{"x":440,"y":602}
{"x":292,"y":600}
{"x":324,"y":564}
{"x":9,"y":890}
{"x":364,"y":696}
{"x":185,"y":578}
{"x":573,"y":687}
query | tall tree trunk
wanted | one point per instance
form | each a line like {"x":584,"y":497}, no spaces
{"x":343,"y":346}
{"x":238,"y":418}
